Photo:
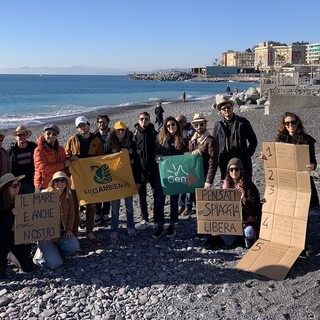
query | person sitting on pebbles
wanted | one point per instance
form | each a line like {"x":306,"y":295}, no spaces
{"x":51,"y":253}
{"x":18,"y":254}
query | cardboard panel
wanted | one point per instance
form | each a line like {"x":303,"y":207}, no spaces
{"x":268,"y":149}
{"x":39,"y":218}
{"x":284,"y":213}
{"x":219,"y":211}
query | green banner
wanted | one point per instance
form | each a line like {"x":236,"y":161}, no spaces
{"x":181,"y":174}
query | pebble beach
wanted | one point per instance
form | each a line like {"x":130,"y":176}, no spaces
{"x":146,"y":278}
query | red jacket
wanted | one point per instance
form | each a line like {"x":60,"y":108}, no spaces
{"x":47,"y":161}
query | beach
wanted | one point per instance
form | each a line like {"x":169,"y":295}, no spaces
{"x":146,"y":278}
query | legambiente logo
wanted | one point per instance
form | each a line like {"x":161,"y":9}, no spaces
{"x":102,"y":174}
{"x":179,"y":175}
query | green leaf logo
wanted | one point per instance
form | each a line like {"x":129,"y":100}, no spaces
{"x":102,"y":174}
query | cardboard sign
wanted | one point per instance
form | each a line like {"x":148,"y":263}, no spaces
{"x":219,"y":211}
{"x":284,"y":213}
{"x":39,"y":218}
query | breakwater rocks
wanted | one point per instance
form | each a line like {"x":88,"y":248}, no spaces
{"x":187,"y":76}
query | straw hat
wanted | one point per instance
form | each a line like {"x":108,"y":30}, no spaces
{"x":22,"y":129}
{"x":9,"y":177}
{"x":60,"y":175}
{"x":120,"y":125}
{"x":224,"y":100}
{"x":199,"y":117}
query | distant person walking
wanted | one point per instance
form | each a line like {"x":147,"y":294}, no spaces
{"x":184,"y":97}
{"x":228,"y":90}
{"x":159,"y":115}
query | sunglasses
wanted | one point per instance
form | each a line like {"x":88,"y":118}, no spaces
{"x":172,"y":124}
{"x":236,"y":169}
{"x":226,"y":108}
{"x":120,"y":130}
{"x":59,"y":180}
{"x":22,"y":135}
{"x":102,"y":122}
{"x":144,"y":119}
{"x":293,"y":123}
{"x":49,"y":133}
{"x":15,"y":185}
{"x":201,"y":124}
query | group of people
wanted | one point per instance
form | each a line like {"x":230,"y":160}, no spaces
{"x":29,"y":167}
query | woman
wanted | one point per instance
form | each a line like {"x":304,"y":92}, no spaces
{"x":170,"y":142}
{"x":20,"y":254}
{"x":51,"y":253}
{"x":250,"y":200}
{"x":120,"y":139}
{"x":292,"y":131}
{"x":251,"y":206}
{"x":49,"y":157}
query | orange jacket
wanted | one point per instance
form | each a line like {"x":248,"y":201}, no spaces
{"x":47,"y":161}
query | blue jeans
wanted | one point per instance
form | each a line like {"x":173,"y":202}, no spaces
{"x":115,"y":213}
{"x":185,"y":200}
{"x":159,"y":200}
{"x":50,"y":254}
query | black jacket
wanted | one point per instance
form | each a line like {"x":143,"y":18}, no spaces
{"x":245,"y":143}
{"x":145,"y":139}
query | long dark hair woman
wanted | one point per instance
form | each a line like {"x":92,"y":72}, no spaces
{"x":170,"y":142}
{"x":291,"y":130}
{"x":19,"y":254}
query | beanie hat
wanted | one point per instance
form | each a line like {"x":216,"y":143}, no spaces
{"x":235,"y":162}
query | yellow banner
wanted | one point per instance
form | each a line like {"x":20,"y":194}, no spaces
{"x":104,"y":178}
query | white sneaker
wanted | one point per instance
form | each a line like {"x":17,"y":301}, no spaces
{"x":143,"y":225}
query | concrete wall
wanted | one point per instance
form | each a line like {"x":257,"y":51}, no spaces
{"x":283,"y":102}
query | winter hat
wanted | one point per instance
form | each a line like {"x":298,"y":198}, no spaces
{"x":235,"y":162}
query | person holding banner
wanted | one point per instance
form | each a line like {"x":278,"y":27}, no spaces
{"x":170,"y":142}
{"x":251,"y":206}
{"x":83,"y":145}
{"x":120,"y":139}
{"x":20,"y":254}
{"x":51,"y":253}
{"x":203,"y":143}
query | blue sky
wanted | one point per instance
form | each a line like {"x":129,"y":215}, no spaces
{"x":144,"y":35}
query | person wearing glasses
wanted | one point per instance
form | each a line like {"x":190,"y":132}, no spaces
{"x":144,"y":135}
{"x":19,"y":255}
{"x":84,"y":144}
{"x":251,"y":207}
{"x":5,"y":165}
{"x":49,"y":157}
{"x":51,"y":253}
{"x":120,"y":139}
{"x":102,"y":208}
{"x":170,"y":142}
{"x":21,"y":157}
{"x":235,"y":136}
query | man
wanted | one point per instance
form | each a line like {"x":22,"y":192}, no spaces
{"x":144,"y":136}
{"x":102,"y":209}
{"x":21,"y":157}
{"x":83,"y":145}
{"x":5,"y":166}
{"x":185,"y":201}
{"x":159,"y":115}
{"x":203,"y":143}
{"x":235,"y":136}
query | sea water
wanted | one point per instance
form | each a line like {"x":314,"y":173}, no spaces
{"x":39,"y":99}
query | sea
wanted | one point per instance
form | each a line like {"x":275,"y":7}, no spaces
{"x":39,"y":99}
